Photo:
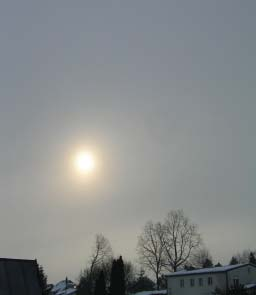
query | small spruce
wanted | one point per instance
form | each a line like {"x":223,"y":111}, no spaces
{"x":233,"y":261}
{"x":207,"y":263}
{"x":252,"y":258}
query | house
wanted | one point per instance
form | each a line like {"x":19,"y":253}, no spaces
{"x":19,"y":276}
{"x":205,"y":281}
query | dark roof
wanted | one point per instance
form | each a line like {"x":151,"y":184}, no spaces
{"x":19,"y":276}
{"x":217,"y":269}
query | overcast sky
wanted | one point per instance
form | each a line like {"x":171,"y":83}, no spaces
{"x":162,"y":91}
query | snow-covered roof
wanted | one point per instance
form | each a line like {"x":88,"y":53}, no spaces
{"x":250,"y":286}
{"x":64,"y":287}
{"x":151,"y":292}
{"x":61,"y":285}
{"x":206,"y":270}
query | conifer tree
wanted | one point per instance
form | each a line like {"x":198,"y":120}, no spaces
{"x":121,"y":276}
{"x":207,"y":263}
{"x":100,"y":287}
{"x":42,"y":279}
{"x":117,"y":279}
{"x":141,"y":283}
{"x":189,"y":267}
{"x":252,"y":258}
{"x":233,"y":261}
{"x":113,"y":279}
{"x":84,"y":286}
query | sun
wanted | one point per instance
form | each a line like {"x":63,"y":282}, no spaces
{"x":84,"y":162}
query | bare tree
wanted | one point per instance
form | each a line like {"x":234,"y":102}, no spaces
{"x":100,"y":260}
{"x":150,"y":249}
{"x":180,"y":239}
{"x":101,"y":253}
{"x":129,"y":274}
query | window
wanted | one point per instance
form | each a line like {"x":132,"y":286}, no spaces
{"x":182,"y":283}
{"x":209,"y":281}
{"x":236,"y":282}
{"x":249,"y":270}
{"x":200,"y":282}
{"x":192,"y":282}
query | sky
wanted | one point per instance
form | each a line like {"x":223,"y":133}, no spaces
{"x":163,"y":92}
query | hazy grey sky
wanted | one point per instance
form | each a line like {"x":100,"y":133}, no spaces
{"x":164,"y":91}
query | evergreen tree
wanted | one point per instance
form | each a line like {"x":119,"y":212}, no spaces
{"x":100,"y":287}
{"x":117,"y":279}
{"x":252,"y":258}
{"x":121,"y":276}
{"x":233,"y":261}
{"x":42,"y":279}
{"x":141,"y":283}
{"x":113,"y":279}
{"x":218,"y":265}
{"x":85,"y":284}
{"x":189,"y":267}
{"x":207,"y":263}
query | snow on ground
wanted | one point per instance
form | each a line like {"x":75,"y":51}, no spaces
{"x":155,"y":292}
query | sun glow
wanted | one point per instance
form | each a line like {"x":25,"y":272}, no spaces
{"x":84,"y":162}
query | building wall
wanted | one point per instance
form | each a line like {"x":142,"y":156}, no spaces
{"x":245,"y":274}
{"x":18,"y":276}
{"x":218,"y":280}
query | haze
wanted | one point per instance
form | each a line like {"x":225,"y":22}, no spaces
{"x":162,"y":91}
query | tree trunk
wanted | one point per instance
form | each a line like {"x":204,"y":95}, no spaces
{"x":157,"y":282}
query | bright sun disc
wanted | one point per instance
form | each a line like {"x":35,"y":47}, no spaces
{"x":84,"y":162}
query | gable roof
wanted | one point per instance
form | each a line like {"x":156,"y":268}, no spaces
{"x":19,"y":276}
{"x":64,"y":287}
{"x":217,"y":269}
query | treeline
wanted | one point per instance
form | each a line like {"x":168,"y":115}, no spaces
{"x":106,"y":275}
{"x":175,"y":243}
{"x":165,"y":246}
{"x":92,"y":283}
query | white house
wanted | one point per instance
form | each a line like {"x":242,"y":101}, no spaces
{"x":204,"y":281}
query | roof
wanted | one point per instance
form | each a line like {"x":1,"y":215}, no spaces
{"x":217,"y":269}
{"x":64,"y":287}
{"x":19,"y":276}
{"x":250,"y":286}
